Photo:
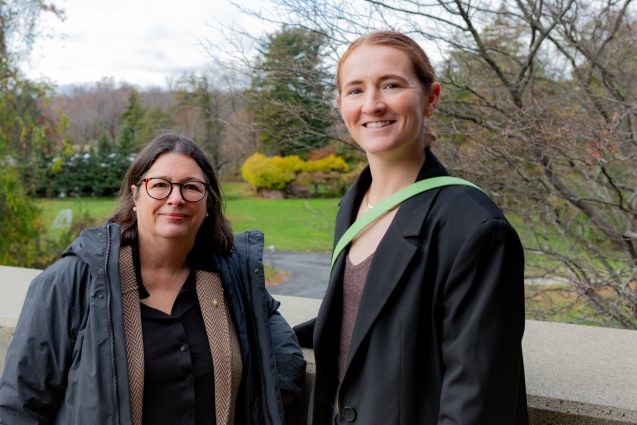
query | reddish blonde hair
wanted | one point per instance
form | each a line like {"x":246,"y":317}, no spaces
{"x":417,"y":56}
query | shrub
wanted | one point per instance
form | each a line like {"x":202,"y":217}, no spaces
{"x":294,"y":176}
{"x":270,"y":173}
{"x":93,"y":173}
{"x":20,"y":224}
{"x":327,"y":164}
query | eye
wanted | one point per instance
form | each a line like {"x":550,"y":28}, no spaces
{"x":194,"y":186}
{"x":354,"y":91}
{"x":158,"y":184}
{"x":392,"y":86}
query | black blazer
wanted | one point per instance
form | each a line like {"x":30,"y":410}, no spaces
{"x":437,"y":339}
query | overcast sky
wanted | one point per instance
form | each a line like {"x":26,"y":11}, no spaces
{"x":140,"y":42}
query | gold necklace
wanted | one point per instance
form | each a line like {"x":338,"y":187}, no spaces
{"x":367,"y":203}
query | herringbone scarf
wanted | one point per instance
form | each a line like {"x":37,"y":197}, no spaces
{"x":222,"y":339}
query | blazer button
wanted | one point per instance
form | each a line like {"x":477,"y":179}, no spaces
{"x":349,"y":413}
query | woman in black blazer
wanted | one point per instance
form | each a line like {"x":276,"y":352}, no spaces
{"x":423,"y":318}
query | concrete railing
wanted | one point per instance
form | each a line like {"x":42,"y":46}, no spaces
{"x":574,"y":374}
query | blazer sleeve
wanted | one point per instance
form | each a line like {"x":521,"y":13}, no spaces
{"x":39,"y":356}
{"x":482,"y":329}
{"x":305,"y":333}
{"x":289,"y":357}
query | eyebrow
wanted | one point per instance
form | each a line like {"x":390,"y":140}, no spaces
{"x":185,"y":179}
{"x":383,"y":78}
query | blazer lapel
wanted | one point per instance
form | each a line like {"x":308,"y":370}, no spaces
{"x":132,"y":333}
{"x":223,"y":343}
{"x":392,"y":257}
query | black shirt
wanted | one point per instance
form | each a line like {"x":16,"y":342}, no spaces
{"x":178,"y":371}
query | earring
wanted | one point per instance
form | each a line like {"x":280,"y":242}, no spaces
{"x":135,"y":209}
{"x":206,"y":214}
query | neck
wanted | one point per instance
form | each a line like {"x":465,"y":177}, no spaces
{"x":391,"y":175}
{"x":168,"y":256}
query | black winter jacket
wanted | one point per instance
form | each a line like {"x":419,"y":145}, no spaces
{"x":67,"y":362}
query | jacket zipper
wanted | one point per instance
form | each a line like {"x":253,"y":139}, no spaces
{"x":109,"y":313}
{"x":267,"y":415}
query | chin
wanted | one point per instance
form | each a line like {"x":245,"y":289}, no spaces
{"x":175,"y":234}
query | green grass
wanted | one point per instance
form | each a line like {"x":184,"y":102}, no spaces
{"x":288,"y":224}
{"x":96,"y":210}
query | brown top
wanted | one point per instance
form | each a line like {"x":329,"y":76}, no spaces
{"x":354,"y":278}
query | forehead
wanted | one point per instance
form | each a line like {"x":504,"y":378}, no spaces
{"x":176,"y":165}
{"x":375,"y":61}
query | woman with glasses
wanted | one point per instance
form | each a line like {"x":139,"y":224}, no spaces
{"x":159,"y":317}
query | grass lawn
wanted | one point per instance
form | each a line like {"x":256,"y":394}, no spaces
{"x":288,"y":224}
{"x":98,"y":210}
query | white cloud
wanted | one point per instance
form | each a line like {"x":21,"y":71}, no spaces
{"x":141,"y":42}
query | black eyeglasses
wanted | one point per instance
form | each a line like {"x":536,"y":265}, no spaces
{"x":159,"y":188}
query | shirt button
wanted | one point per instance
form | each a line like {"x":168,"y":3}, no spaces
{"x":183,"y":347}
{"x":349,"y":413}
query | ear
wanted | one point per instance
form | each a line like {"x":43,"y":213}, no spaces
{"x":432,"y":98}
{"x":134,"y":189}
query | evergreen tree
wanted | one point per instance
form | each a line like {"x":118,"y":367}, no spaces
{"x":290,"y":105}
{"x":194,"y":94}
{"x":130,"y":125}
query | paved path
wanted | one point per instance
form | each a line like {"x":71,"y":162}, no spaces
{"x":310,"y":272}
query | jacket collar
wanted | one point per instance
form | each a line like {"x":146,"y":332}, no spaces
{"x":352,"y":199}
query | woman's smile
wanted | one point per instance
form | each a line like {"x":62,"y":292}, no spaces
{"x":378,"y":124}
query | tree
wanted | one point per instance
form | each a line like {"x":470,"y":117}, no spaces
{"x":290,"y":93}
{"x":198,"y":107}
{"x":539,"y":109}
{"x":94,"y":111}
{"x":25,"y":133}
{"x":130,"y":125}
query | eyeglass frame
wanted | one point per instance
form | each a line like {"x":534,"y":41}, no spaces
{"x":172,"y":185}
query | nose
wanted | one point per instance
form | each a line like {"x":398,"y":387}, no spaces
{"x":373,"y":103}
{"x":175,"y":194}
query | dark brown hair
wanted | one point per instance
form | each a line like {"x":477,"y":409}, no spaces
{"x":214,"y":235}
